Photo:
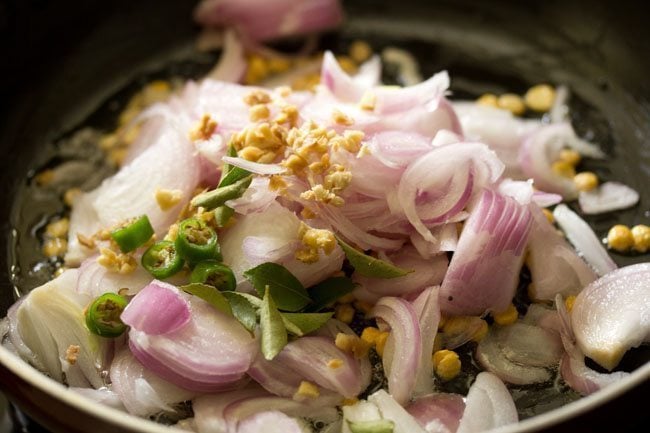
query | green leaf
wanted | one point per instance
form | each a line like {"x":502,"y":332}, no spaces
{"x":210,"y":295}
{"x":326,"y":292}
{"x":235,"y":174}
{"x":286,"y":290}
{"x":369,"y":266}
{"x":305,"y":322}
{"x":222,"y":215}
{"x":243,"y":309}
{"x":274,"y":333}
{"x":291,"y":327}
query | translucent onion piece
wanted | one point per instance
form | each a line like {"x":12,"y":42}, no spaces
{"x":584,"y":239}
{"x":428,"y":311}
{"x":494,"y":237}
{"x":309,"y":357}
{"x":491,"y":354}
{"x":270,"y":422}
{"x":210,"y":353}
{"x":11,"y":339}
{"x":257,"y":198}
{"x":405,"y":333}
{"x":583,"y":379}
{"x":438,"y":412}
{"x":95,"y":279}
{"x":612,"y":314}
{"x":172,"y":311}
{"x":554,"y":265}
{"x":609,"y":196}
{"x":362,"y":411}
{"x":438,"y":185}
{"x":102,"y":395}
{"x":254,"y":167}
{"x":232,"y":63}
{"x":208,"y":409}
{"x":50,"y":319}
{"x":261,"y":20}
{"x":141,"y":392}
{"x":391,"y":410}
{"x":538,"y":152}
{"x":84,"y":221}
{"x":488,"y":405}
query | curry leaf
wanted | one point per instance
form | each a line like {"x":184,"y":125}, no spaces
{"x":210,"y":295}
{"x":274,"y":333}
{"x":243,"y":309}
{"x":369,"y":266}
{"x":305,"y":322}
{"x":326,"y":292}
{"x":285,"y":288}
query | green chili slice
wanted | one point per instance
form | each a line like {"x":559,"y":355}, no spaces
{"x":134,"y":234}
{"x":103,"y":315}
{"x":196,"y":241}
{"x":162,"y":260}
{"x":214,"y":274}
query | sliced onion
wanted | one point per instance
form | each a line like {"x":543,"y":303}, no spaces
{"x":339,"y":83}
{"x":208,"y":409}
{"x":254,"y":167}
{"x":170,"y":163}
{"x":424,"y":273}
{"x":543,"y":317}
{"x":446,"y":239}
{"x":50,"y":319}
{"x":405,"y":333}
{"x":491,"y":354}
{"x":520,"y":190}
{"x":428,"y":310}
{"x":583,"y":379}
{"x":232,"y":63}
{"x":488,"y":406}
{"x":261,"y":20}
{"x":392,"y":410}
{"x":361,"y":411}
{"x":309,"y":357}
{"x":83,"y":221}
{"x":237,"y":411}
{"x":142,"y":392}
{"x":494,"y":237}
{"x":612,"y":314}
{"x":438,"y":412}
{"x":397,"y":149}
{"x":540,"y":150}
{"x":95,"y":279}
{"x":211,"y":352}
{"x":554,"y":265}
{"x":269,"y":422}
{"x":584,"y":239}
{"x":172,"y":310}
{"x":609,"y":196}
{"x":497,"y":128}
{"x":102,"y":395}
{"x":257,"y":198}
{"x":13,"y":341}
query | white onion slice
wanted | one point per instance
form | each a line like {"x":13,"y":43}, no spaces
{"x":584,"y":239}
{"x":83,"y":221}
{"x":405,"y":333}
{"x":257,"y":198}
{"x":612,"y":314}
{"x":438,"y":413}
{"x":142,"y":392}
{"x":254,"y":167}
{"x":554,"y":265}
{"x":609,"y":196}
{"x":488,"y":406}
{"x":102,"y":395}
{"x":362,"y":411}
{"x":269,"y":422}
{"x":232,"y":63}
{"x":50,"y":319}
{"x":391,"y":410}
{"x":428,"y":311}
{"x":208,"y":409}
{"x":95,"y":279}
{"x":583,"y":379}
{"x":494,"y":237}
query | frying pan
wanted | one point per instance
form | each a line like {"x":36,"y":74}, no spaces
{"x":64,"y":60}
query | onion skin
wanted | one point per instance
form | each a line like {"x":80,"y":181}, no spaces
{"x":494,"y":237}
{"x":612,"y":314}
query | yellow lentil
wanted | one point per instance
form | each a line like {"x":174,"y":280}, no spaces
{"x":507,"y":317}
{"x":641,"y":235}
{"x":620,"y":238}
{"x":512,"y":103}
{"x":586,"y":181}
{"x":446,"y":364}
{"x":488,"y":99}
{"x":570,"y":156}
{"x":540,"y":98}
